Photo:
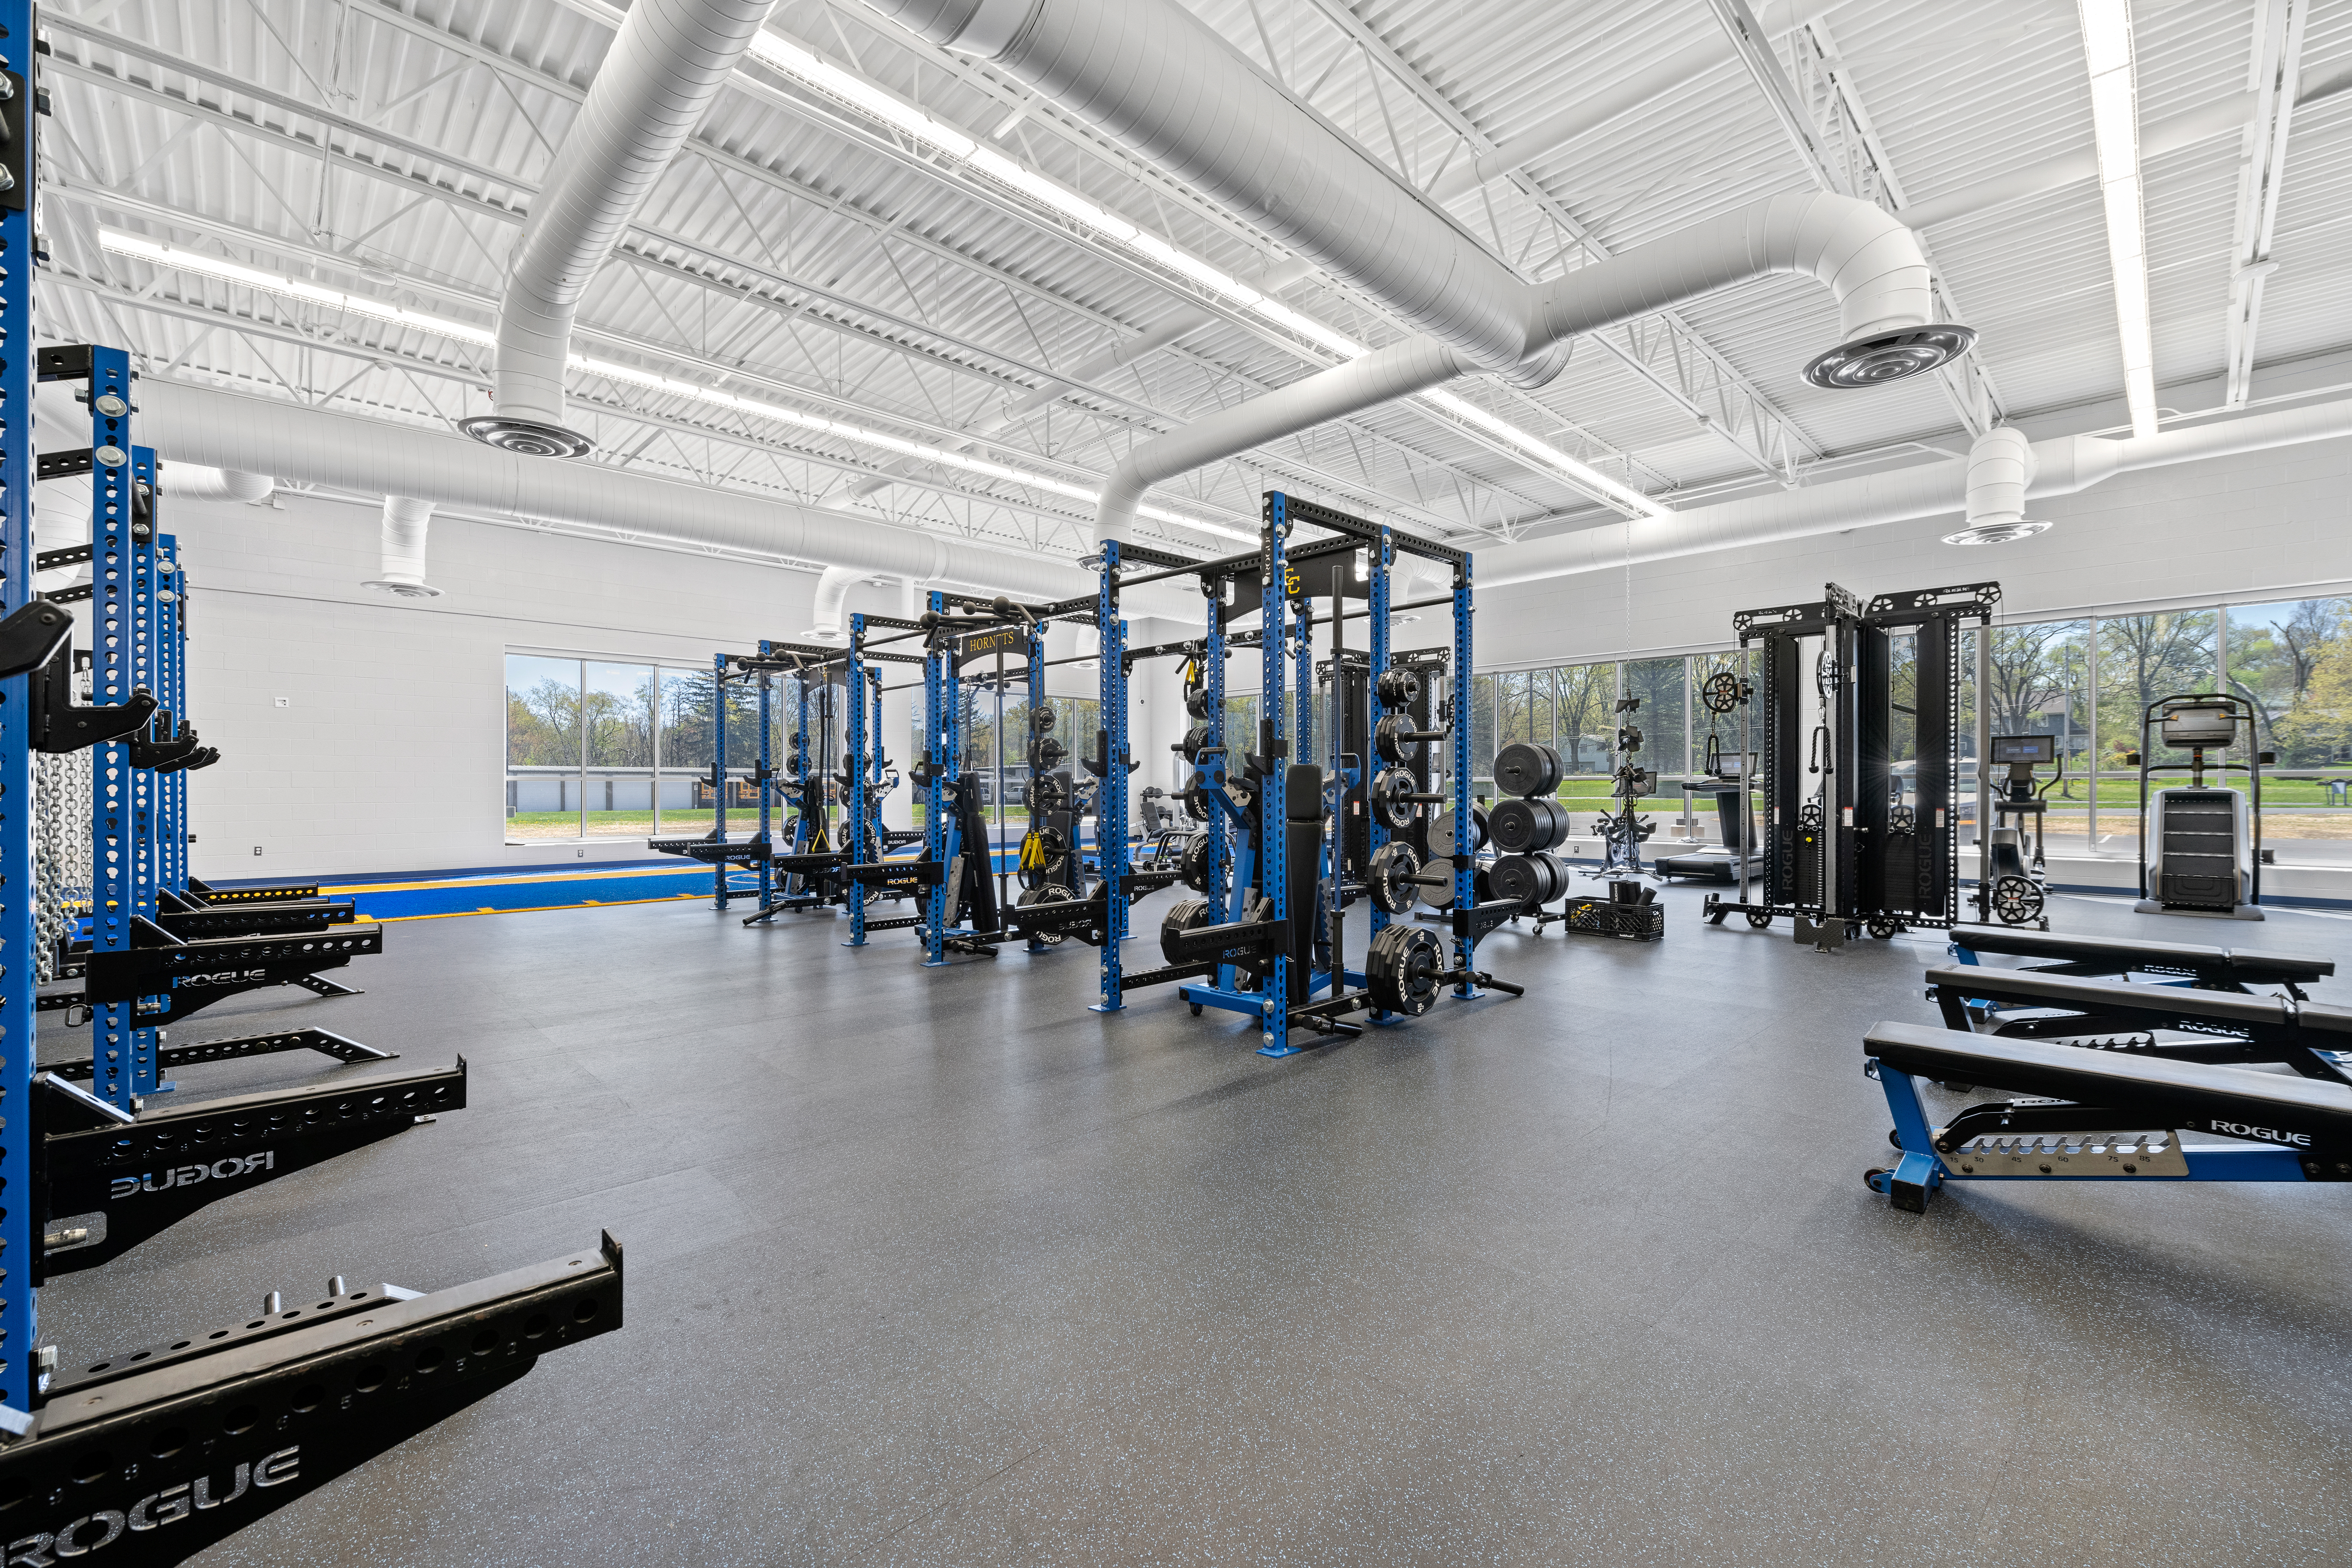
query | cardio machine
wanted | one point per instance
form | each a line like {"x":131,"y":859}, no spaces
{"x":2201,"y":845}
{"x":2016,"y":890}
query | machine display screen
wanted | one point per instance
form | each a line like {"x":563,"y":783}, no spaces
{"x":2024,"y":749}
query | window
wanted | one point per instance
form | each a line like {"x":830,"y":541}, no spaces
{"x":600,"y":749}
{"x":1662,"y":685}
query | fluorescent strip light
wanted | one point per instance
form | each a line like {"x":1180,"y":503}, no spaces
{"x":157,"y":253}
{"x":160,"y":255}
{"x":2115,"y":126}
{"x":1582,"y":474}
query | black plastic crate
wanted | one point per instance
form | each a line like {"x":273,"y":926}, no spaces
{"x":1606,"y":917}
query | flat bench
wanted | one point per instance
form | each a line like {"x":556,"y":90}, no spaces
{"x":2235,"y":968}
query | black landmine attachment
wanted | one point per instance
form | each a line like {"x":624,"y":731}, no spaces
{"x":147,"y":1172}
{"x":164,"y":1459}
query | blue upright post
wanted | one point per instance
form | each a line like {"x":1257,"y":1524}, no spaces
{"x":1110,"y":790}
{"x":122,"y":643}
{"x":1273,"y":623}
{"x":1465,"y":881}
{"x":20,"y":1220}
{"x":854,"y":770}
{"x":718,"y":773}
{"x":171,"y":670}
{"x":942,"y":747}
{"x":1376,"y":602}
{"x":767,"y":782}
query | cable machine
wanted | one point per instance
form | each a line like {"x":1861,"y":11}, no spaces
{"x":1856,"y":836}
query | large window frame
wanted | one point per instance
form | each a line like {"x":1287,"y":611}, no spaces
{"x":636,"y":763}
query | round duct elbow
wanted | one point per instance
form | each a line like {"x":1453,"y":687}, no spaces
{"x":2002,"y":467}
{"x":196,"y":481}
{"x":832,"y":598}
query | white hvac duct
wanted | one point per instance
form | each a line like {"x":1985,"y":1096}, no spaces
{"x":1868,"y":261}
{"x":2001,"y":469}
{"x":832,"y":597}
{"x":2059,"y":466}
{"x":1161,"y":82}
{"x":406,"y":521}
{"x":195,"y":481}
{"x":664,"y":64}
{"x":200,"y":424}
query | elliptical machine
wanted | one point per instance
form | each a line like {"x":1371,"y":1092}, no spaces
{"x":2017,"y":890}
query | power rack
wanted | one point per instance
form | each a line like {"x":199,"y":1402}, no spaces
{"x":1268,"y":940}
{"x":162,"y":1452}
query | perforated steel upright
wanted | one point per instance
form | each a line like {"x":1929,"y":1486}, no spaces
{"x":122,"y":643}
{"x":172,"y":670}
{"x":942,"y":753}
{"x":854,"y":772}
{"x":20,"y":1221}
{"x":1377,"y":596}
{"x":1273,"y":810}
{"x":1111,"y":789}
{"x":1465,"y":946}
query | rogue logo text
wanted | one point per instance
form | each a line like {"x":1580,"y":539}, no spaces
{"x":189,"y":1175}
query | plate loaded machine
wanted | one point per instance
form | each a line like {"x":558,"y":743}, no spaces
{"x":148,"y":944}
{"x":1848,"y":841}
{"x":1269,"y":939}
{"x":963,"y":911}
{"x":162,"y":1452}
{"x":2017,"y":888}
{"x":2201,"y":845}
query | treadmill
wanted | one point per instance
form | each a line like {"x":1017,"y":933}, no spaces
{"x":1720,"y":863}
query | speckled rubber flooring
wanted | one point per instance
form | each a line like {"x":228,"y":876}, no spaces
{"x":939,"y":1266}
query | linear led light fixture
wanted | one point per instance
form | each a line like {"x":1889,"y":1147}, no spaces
{"x":157,"y":253}
{"x":2115,"y":126}
{"x":949,"y":143}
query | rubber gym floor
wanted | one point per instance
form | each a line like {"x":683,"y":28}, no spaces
{"x":940,"y":1267}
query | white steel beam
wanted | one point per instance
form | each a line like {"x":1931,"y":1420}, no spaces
{"x":2261,"y":171}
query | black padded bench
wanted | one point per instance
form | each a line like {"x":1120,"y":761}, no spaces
{"x":2230,"y":968}
{"x":2120,"y":1116}
{"x":2032,"y":1004}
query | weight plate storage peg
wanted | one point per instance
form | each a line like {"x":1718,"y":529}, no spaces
{"x":1403,"y":969}
{"x":1524,"y":768}
{"x":1391,"y":878}
{"x":1399,"y":688}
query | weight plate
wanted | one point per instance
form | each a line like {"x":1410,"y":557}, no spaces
{"x":1513,"y":825}
{"x":1045,"y":754}
{"x":1524,"y":768}
{"x":1389,"y":880}
{"x":1402,"y":970}
{"x":1392,"y":798}
{"x":1441,"y":832}
{"x":1196,"y":797}
{"x":1399,"y":688}
{"x":1389,"y":739}
{"x":1041,"y":719}
{"x":1196,"y":739}
{"x":1520,"y":879}
{"x":1193,"y":866}
{"x":1196,"y":703}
